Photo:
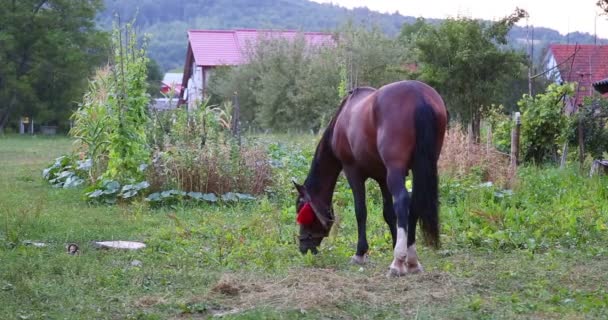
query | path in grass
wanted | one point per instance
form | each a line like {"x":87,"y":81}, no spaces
{"x":242,"y":262}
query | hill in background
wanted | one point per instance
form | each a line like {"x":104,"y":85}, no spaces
{"x":167,"y":22}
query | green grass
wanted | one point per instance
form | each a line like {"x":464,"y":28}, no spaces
{"x":540,"y":254}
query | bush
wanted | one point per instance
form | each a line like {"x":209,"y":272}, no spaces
{"x":544,"y":126}
{"x":199,"y":154}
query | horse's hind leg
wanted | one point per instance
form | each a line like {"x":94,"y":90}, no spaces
{"x":401,"y":204}
{"x":389,"y":212}
{"x":411,"y":262}
{"x":357,"y":185}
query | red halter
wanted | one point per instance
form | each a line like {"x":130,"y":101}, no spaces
{"x":306,"y":215}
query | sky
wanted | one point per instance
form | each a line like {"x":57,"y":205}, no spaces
{"x":562,"y":15}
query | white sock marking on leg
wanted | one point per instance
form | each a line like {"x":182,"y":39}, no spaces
{"x":400,"y":246}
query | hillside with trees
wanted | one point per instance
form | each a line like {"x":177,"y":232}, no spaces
{"x":167,"y":24}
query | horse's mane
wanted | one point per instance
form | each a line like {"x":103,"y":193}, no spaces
{"x":325,"y":142}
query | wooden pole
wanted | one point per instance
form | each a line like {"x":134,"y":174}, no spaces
{"x":236,"y":113}
{"x":581,"y":143}
{"x":515,"y":141}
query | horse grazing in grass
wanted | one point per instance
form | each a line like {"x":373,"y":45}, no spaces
{"x":379,"y":134}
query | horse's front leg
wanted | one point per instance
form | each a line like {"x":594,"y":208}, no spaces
{"x":357,"y":185}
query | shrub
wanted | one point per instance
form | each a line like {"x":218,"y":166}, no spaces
{"x":200,"y":155}
{"x":544,"y":126}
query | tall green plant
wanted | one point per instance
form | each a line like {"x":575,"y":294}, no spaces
{"x":91,"y":121}
{"x":544,"y":126}
{"x":128,"y":102}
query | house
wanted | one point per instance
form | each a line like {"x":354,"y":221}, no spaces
{"x":584,"y":64}
{"x":172,"y":82}
{"x":208,"y":49}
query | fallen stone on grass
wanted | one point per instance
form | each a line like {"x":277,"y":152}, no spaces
{"x":35,"y":244}
{"x":119,"y":244}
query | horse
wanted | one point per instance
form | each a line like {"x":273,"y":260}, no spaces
{"x":379,"y":134}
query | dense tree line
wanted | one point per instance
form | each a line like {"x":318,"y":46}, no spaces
{"x":167,"y":23}
{"x":468,"y":61}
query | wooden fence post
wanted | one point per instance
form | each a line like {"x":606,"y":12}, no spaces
{"x":515,"y":142}
{"x":236,"y":110}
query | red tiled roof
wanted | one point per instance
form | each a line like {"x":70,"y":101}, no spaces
{"x":227,"y":47}
{"x":584,"y":64}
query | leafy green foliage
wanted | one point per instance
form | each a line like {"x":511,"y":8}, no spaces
{"x":110,"y":191}
{"x":466,"y":56}
{"x":285,"y":86}
{"x":290,"y":86}
{"x":128,"y":102}
{"x":544,"y":126}
{"x":173,"y":197}
{"x":543,"y":212}
{"x":594,"y":118}
{"x":47,"y":49}
{"x":66,"y":172}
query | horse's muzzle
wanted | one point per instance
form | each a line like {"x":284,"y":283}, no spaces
{"x":310,"y":243}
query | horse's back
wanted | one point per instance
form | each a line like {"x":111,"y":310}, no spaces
{"x":395,"y":116}
{"x":378,"y":128}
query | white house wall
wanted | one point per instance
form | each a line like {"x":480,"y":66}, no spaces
{"x":195,"y":87}
{"x":552,"y":65}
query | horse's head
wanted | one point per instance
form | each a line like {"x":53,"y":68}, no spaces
{"x":315,"y":219}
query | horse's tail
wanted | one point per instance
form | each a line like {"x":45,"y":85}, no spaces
{"x":425,"y":185}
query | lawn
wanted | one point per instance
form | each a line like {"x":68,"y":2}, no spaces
{"x":538,"y":254}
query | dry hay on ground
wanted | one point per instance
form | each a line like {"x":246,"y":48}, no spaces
{"x":307,"y":289}
{"x":460,"y":156}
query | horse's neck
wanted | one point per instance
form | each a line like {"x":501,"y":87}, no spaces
{"x":324,"y":170}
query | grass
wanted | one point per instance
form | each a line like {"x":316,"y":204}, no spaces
{"x":241,"y":261}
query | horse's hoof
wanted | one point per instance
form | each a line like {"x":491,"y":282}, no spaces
{"x":360,"y":260}
{"x":395,"y":273}
{"x":414,"y":268}
{"x":397,"y":269}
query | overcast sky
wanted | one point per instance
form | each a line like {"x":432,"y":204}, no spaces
{"x":562,"y":15}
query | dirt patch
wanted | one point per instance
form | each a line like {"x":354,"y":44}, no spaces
{"x":324,"y":288}
{"x":149,"y":301}
{"x":587,"y":275}
{"x":227,"y":288}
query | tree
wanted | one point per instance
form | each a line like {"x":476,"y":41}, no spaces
{"x":468,"y":62}
{"x":154,"y":78}
{"x":47,"y":50}
{"x":370,"y":57}
{"x":285,"y":85}
{"x":603,"y":4}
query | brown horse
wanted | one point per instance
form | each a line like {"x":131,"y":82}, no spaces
{"x":380,"y":134}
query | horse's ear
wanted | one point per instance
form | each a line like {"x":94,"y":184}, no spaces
{"x":301,"y":189}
